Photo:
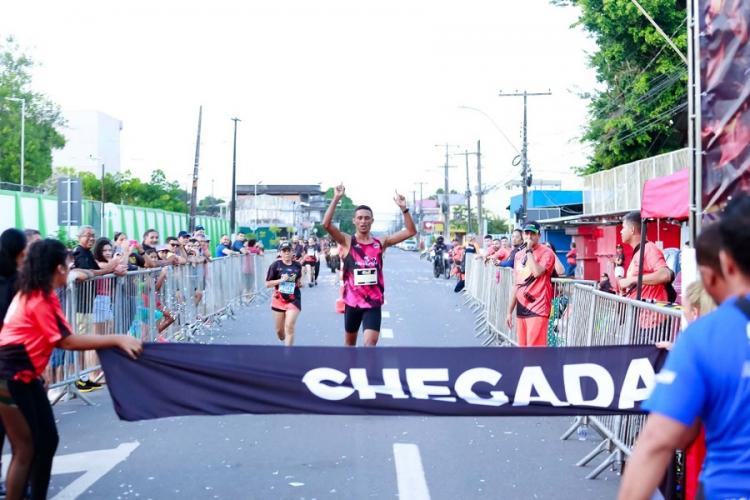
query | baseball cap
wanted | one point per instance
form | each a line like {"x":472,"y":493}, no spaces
{"x":200,"y":228}
{"x":285,"y":245}
{"x":532,"y":226}
{"x":162,"y":248}
{"x":183,"y":234}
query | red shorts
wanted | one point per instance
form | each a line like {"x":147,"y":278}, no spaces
{"x":280,"y":305}
{"x":532,"y":331}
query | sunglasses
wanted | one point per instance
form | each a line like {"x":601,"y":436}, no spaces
{"x":286,"y":249}
{"x":174,"y":245}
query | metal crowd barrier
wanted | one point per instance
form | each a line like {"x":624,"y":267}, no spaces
{"x":580,"y":316}
{"x":169,"y":304}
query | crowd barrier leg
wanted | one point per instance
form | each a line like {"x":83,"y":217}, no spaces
{"x":579,"y":421}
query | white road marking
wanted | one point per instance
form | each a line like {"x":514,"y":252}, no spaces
{"x":409,"y":472}
{"x":386,"y":314}
{"x":94,"y":464}
{"x":386,"y":333}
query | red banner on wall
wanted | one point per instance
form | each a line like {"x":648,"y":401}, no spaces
{"x":725,"y":99}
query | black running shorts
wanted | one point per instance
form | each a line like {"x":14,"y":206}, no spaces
{"x":369,"y":319}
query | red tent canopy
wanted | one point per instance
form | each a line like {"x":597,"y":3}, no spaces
{"x":667,"y":197}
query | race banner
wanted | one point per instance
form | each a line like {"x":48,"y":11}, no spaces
{"x":724,"y":51}
{"x":170,"y":380}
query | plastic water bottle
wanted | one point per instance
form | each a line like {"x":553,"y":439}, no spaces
{"x":583,"y":432}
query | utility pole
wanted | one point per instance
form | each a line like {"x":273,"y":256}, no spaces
{"x":446,"y":195}
{"x":103,"y":230}
{"x":420,"y":211}
{"x":467,"y":194}
{"x":480,"y":193}
{"x":194,"y":194}
{"x":524,"y":149}
{"x":233,"y":203}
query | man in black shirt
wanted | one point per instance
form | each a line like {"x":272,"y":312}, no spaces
{"x":87,"y":269}
{"x":83,"y":258}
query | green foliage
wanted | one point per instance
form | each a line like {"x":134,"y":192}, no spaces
{"x":495,"y":225}
{"x":641,"y":110}
{"x":126,"y":189}
{"x":62,"y":236}
{"x":42,"y":116}
{"x":344,"y":212}
{"x":210,"y":206}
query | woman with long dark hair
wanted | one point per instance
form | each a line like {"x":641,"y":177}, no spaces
{"x":103,"y":288}
{"x":34,"y":326}
{"x":12,"y":252}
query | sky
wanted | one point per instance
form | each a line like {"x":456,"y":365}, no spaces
{"x":328,"y":91}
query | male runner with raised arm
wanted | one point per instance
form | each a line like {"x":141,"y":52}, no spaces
{"x":362,"y":254}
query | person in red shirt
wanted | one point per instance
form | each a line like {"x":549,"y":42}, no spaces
{"x":571,"y":259}
{"x":532,"y":299}
{"x":656,"y":274}
{"x":34,"y":326}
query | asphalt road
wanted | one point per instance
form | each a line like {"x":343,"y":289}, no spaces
{"x":307,"y":456}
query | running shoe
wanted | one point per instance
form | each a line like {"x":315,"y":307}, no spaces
{"x":94,"y":385}
{"x":83,"y":386}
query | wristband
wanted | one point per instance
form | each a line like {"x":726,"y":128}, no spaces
{"x":406,"y":210}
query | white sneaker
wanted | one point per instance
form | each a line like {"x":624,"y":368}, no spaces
{"x":54,"y":394}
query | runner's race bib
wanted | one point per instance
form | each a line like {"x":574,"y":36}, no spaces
{"x":368,"y":276}
{"x":311,"y":252}
{"x":287,"y":287}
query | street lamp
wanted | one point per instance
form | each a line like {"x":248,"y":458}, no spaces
{"x":23,"y":131}
{"x":255,"y":202}
{"x":232,"y":214}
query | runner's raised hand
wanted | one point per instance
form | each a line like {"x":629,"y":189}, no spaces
{"x":400,"y":200}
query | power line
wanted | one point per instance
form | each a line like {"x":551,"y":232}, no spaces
{"x":635,"y":78}
{"x":650,"y":122}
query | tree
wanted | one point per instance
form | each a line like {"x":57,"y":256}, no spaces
{"x":344,"y":212}
{"x":496,"y":225}
{"x":42,"y":118}
{"x":123,"y":188}
{"x":641,"y":110}
{"x":210,"y":206}
{"x":459,"y":219}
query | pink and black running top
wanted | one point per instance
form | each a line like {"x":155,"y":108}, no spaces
{"x":364,"y":286}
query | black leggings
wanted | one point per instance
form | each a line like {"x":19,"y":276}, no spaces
{"x":32,"y":400}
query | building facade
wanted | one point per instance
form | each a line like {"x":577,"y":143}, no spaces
{"x":92,"y":139}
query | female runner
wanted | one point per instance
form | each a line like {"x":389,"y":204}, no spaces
{"x":285,"y":275}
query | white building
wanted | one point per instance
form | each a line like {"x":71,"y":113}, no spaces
{"x":92,"y":138}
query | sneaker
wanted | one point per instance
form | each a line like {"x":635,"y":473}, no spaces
{"x":94,"y":385}
{"x":53,"y":395}
{"x":83,"y":386}
{"x":87,"y":385}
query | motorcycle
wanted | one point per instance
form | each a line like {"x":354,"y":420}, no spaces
{"x":447,"y":266}
{"x":440,"y":263}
